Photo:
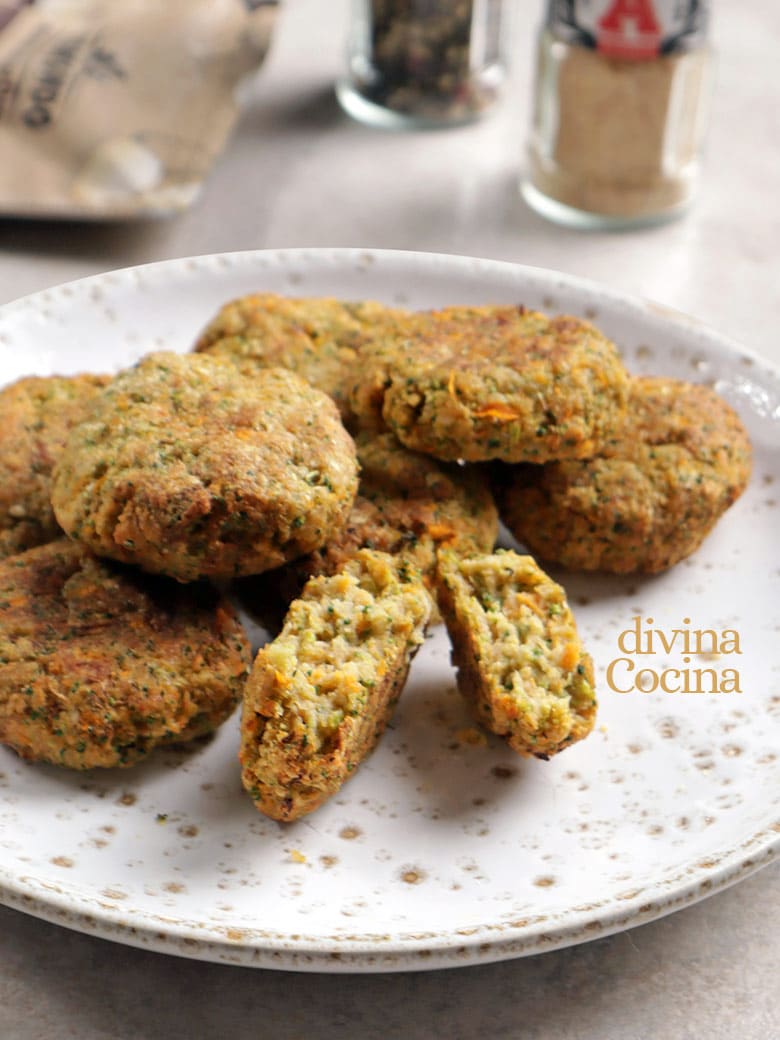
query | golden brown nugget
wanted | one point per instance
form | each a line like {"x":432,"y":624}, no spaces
{"x":320,"y":338}
{"x":187,"y":468}
{"x":36,"y":415}
{"x":481,"y":383}
{"x":99,"y":663}
{"x":650,"y":496}
{"x":407,"y":504}
{"x":321,"y":694}
{"x":521,"y":665}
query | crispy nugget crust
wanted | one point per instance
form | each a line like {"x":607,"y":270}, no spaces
{"x":319,"y":338}
{"x":321,"y":694}
{"x":99,"y":664}
{"x":650,"y":496}
{"x":37,"y":415}
{"x":407,"y":504}
{"x":187,"y":468}
{"x":521,"y":665}
{"x":480,"y":383}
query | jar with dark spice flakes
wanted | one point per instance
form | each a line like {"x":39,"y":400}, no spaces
{"x":621,"y":92}
{"x":424,"y":62}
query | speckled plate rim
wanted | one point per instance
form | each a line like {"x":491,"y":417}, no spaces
{"x":412,"y":951}
{"x":367,"y":952}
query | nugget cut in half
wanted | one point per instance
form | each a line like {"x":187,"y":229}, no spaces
{"x":481,"y":383}
{"x":186,"y":468}
{"x":407,"y":504}
{"x":321,"y":694}
{"x":318,"y":337}
{"x":521,"y":665}
{"x":37,"y":414}
{"x":648,"y":498}
{"x":99,"y":663}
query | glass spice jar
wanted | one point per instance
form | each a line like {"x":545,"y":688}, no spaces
{"x":423,"y":63}
{"x":619,"y":111}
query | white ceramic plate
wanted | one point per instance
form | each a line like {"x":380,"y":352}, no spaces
{"x":439,"y":851}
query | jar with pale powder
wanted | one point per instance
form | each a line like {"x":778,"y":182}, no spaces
{"x":619,"y":111}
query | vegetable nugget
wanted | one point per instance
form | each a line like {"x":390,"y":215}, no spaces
{"x":520,"y":662}
{"x":481,"y":383}
{"x":321,"y":693}
{"x":317,"y":337}
{"x":99,"y":663}
{"x":37,"y":414}
{"x":648,"y":498}
{"x":186,"y":468}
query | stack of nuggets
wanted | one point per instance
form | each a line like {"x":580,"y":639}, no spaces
{"x":178,"y":470}
{"x":520,"y":395}
{"x":346,"y":453}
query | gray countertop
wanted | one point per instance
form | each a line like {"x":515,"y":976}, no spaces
{"x":708,"y":971}
{"x":299,"y":173}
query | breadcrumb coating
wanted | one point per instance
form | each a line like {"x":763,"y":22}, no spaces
{"x":184,"y":467}
{"x":100,"y":663}
{"x":651,"y":494}
{"x":320,"y":338}
{"x":37,"y":413}
{"x":482,"y":383}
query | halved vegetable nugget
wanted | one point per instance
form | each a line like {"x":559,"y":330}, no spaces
{"x":320,"y":695}
{"x":520,"y":662}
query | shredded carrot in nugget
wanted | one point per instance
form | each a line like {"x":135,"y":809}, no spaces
{"x":499,"y":412}
{"x":441,"y":532}
{"x":570,"y":656}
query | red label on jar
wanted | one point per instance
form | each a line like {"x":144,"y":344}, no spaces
{"x":632,"y":29}
{"x":629,"y":29}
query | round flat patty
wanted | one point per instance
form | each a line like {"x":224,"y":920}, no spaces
{"x":320,"y":338}
{"x":37,"y":413}
{"x":187,"y":468}
{"x":100,"y":663}
{"x":481,"y":383}
{"x":649,"y":497}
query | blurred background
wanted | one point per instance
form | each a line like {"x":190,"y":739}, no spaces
{"x":299,"y":172}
